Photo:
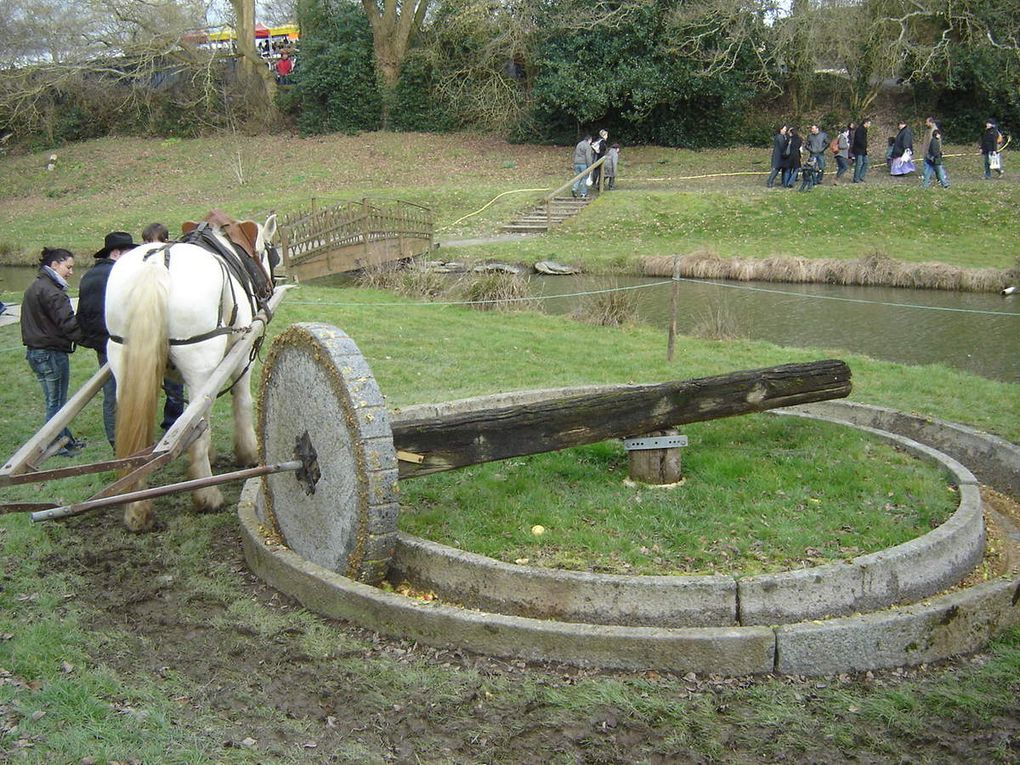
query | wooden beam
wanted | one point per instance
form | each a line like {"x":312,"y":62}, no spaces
{"x":27,"y":457}
{"x":497,"y":427}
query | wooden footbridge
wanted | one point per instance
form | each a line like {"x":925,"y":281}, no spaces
{"x":349,"y":236}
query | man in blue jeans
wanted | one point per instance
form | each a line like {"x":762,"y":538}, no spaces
{"x":859,"y":149}
{"x":49,"y":331}
{"x":583,"y":155}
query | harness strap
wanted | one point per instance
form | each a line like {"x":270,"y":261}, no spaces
{"x":189,"y":340}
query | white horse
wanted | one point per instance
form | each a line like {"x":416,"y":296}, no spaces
{"x":158,"y":296}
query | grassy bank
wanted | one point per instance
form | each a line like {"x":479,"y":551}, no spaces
{"x":670,"y":201}
{"x":161,"y":648}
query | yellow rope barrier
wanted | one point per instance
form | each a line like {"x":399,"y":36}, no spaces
{"x":488,"y":204}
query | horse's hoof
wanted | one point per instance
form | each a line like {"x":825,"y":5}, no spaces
{"x":208,"y":501}
{"x":138,"y":519}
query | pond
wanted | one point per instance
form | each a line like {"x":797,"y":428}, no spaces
{"x":976,"y":332}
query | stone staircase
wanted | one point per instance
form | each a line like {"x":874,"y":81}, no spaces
{"x":539,"y":220}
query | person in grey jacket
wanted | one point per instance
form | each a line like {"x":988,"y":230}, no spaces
{"x":609,"y":168}
{"x":582,"y":160}
{"x":817,"y":143}
{"x":843,"y":152}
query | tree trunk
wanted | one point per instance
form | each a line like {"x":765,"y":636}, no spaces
{"x":253,"y":68}
{"x":394,"y":26}
{"x":497,"y":427}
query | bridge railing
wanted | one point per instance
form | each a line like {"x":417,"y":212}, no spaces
{"x":306,"y":234}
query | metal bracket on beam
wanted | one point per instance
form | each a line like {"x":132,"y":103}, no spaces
{"x":654,"y":442}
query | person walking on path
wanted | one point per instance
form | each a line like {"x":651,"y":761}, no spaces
{"x":779,"y":143}
{"x":599,"y":147}
{"x":842,"y":154}
{"x":933,"y":160}
{"x":174,"y":390}
{"x":902,"y":154}
{"x":990,"y":141}
{"x":791,"y":163}
{"x":817,"y":143}
{"x":582,"y":161}
{"x":859,"y":148}
{"x":612,"y":157}
{"x":49,"y":331}
{"x":92,"y":316}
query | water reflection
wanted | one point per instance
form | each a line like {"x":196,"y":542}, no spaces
{"x":977,"y":332}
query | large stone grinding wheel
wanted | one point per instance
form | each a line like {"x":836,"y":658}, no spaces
{"x":316,"y":381}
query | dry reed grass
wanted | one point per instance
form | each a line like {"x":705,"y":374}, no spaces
{"x":876,"y":269}
{"x":718,"y":322}
{"x":607,"y":309}
{"x":417,"y":280}
{"x":497,"y":292}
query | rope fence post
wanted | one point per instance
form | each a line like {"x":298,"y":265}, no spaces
{"x":674,"y":306}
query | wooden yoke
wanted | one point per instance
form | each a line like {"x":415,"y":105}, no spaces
{"x":497,"y":427}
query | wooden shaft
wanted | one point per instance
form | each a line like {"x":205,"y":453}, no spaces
{"x":496,"y":428}
{"x":161,"y":491}
{"x":26,"y":458}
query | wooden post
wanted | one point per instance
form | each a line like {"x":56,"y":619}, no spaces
{"x":365,"y":227}
{"x":674,"y":305}
{"x":655,"y":466}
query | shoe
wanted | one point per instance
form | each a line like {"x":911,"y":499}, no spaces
{"x":73,"y":447}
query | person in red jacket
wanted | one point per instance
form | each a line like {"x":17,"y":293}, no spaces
{"x":284,"y":67}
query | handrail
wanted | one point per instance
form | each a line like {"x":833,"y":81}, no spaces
{"x":597,"y":163}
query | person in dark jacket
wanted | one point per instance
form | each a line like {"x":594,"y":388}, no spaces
{"x":49,"y":331}
{"x":903,"y":141}
{"x":92,"y":315}
{"x":990,"y":148}
{"x":599,"y":147}
{"x":791,"y":162}
{"x":778,"y":146}
{"x":933,"y":161}
{"x":859,"y":149}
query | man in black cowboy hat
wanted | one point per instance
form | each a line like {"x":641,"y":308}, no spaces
{"x":92,"y":315}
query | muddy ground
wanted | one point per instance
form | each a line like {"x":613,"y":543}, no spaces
{"x":371,"y":699}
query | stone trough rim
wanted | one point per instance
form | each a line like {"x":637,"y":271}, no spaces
{"x":984,"y":609}
{"x":712,"y":600}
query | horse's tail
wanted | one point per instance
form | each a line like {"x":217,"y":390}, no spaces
{"x":144,"y":357}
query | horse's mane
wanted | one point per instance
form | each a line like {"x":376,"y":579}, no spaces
{"x":242,"y":233}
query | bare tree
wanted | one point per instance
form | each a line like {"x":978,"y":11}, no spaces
{"x":121,"y":56}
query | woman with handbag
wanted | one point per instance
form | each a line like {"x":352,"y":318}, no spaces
{"x":990,"y":148}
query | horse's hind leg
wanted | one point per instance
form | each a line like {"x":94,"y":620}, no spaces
{"x":209,"y":499}
{"x":245,"y":444}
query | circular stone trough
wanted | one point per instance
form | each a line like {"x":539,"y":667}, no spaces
{"x":807,"y":621}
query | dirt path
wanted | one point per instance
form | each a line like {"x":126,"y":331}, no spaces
{"x":248,"y":668}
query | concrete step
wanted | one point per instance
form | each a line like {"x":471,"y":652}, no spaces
{"x":512,"y":228}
